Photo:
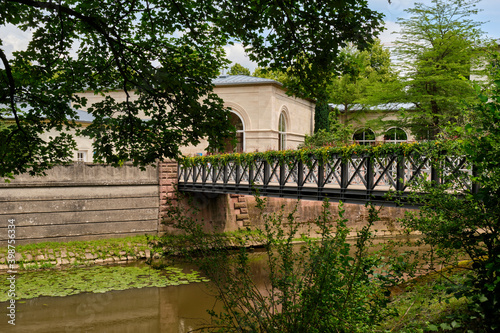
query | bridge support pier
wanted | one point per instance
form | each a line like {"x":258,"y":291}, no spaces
{"x":221,"y":212}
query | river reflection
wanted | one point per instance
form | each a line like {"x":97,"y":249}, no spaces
{"x":169,"y":309}
{"x":173,"y":309}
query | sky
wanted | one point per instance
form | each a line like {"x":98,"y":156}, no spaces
{"x":490,"y":13}
{"x":14,"y":39}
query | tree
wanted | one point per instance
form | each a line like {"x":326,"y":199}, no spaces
{"x":321,"y":112}
{"x":266,"y":73}
{"x":238,"y":69}
{"x":367,"y":77}
{"x":163,"y":55}
{"x":438,"y":48}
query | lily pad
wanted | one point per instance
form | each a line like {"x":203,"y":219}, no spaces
{"x":97,"y":279}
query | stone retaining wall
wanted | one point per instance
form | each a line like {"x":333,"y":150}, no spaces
{"x":308,"y":210}
{"x":68,"y":258}
{"x":80,"y":202}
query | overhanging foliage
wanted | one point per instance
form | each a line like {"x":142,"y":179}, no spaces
{"x":163,"y":55}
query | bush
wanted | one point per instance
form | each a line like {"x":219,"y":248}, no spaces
{"x":321,"y":285}
{"x":337,"y":134}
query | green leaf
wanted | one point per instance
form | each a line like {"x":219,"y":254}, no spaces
{"x":433,"y":328}
{"x":483,"y":298}
{"x":445,"y":326}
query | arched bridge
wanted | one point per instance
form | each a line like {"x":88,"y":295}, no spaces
{"x":356,"y":178}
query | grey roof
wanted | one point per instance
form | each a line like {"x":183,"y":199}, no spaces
{"x":82,"y":116}
{"x":227,"y":80}
{"x":380,"y":107}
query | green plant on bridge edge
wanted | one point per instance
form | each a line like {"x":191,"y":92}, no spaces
{"x":322,"y":285}
{"x":434,"y":148}
{"x":472,"y":223}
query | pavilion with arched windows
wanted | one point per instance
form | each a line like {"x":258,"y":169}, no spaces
{"x":264,"y":116}
{"x":360,"y":117}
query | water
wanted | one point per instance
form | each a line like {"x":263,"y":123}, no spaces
{"x":149,"y":310}
{"x":170,"y":309}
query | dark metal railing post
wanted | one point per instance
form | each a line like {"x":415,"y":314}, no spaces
{"x":369,"y":173}
{"x":321,"y":177}
{"x":300,"y":178}
{"x":225,"y":176}
{"x":344,"y":174}
{"x":282,"y":173}
{"x":300,"y":174}
{"x":194,"y":173}
{"x":251,"y":180}
{"x":434,"y":172}
{"x":185,"y":174}
{"x":238,"y":173}
{"x":267,"y":173}
{"x":203,"y":174}
{"x":321,"y":173}
{"x":214,"y":174}
{"x":400,"y":173}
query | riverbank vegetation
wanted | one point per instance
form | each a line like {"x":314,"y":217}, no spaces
{"x":328,"y":284}
{"x":304,"y":283}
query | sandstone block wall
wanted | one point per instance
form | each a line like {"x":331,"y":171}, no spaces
{"x":308,"y":210}
{"x":80,"y":202}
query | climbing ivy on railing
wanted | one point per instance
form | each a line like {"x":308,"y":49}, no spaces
{"x":434,"y":149}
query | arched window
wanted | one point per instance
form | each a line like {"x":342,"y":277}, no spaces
{"x":282,"y":132}
{"x":364,"y":136}
{"x":395,"y":135}
{"x":237,"y":122}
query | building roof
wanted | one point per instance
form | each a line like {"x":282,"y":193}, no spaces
{"x":229,"y":80}
{"x":84,"y":116}
{"x":380,"y":107}
{"x":81,"y":116}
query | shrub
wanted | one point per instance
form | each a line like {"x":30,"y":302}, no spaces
{"x":321,"y":285}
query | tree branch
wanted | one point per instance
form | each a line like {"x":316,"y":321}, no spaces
{"x":12,"y":94}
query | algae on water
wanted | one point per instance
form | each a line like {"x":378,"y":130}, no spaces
{"x":98,"y":279}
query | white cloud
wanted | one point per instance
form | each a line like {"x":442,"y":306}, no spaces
{"x":236,"y":54}
{"x":13,"y":39}
{"x":390,"y":34}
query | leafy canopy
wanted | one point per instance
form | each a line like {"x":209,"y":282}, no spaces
{"x":163,"y":54}
{"x":238,"y":69}
{"x":438,"y":47}
{"x":367,"y":77}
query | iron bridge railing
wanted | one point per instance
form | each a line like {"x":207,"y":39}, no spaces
{"x":356,"y":179}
